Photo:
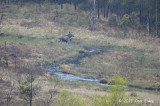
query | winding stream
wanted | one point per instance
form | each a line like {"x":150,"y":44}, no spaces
{"x":76,"y":60}
{"x":82,"y":54}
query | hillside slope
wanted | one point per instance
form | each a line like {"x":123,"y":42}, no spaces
{"x":31,"y":34}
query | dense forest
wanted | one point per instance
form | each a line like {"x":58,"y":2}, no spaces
{"x":137,"y":14}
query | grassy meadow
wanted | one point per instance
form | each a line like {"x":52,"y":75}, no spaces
{"x":31,"y":33}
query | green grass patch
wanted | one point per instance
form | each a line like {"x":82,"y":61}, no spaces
{"x":26,"y":40}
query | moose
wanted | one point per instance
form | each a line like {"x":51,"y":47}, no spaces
{"x":66,"y":38}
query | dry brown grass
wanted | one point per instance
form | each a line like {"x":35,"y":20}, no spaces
{"x":100,"y":65}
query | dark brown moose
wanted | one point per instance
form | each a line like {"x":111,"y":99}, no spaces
{"x":66,"y":38}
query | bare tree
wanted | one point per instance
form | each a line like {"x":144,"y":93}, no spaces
{"x":10,"y":90}
{"x":94,"y":11}
{"x":104,"y":9}
{"x":9,"y":94}
{"x":53,"y":91}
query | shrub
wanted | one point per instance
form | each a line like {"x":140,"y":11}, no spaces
{"x":125,"y":20}
{"x":134,"y":94}
{"x":66,"y":98}
{"x":117,"y":91}
{"x":112,"y":21}
{"x":27,"y":15}
{"x":98,"y":100}
{"x":117,"y":96}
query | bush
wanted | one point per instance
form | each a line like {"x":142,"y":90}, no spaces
{"x":98,"y":100}
{"x":117,"y":96}
{"x":125,"y":20}
{"x":133,"y":94}
{"x":117,"y":91}
{"x":66,"y":98}
{"x":112,"y":21}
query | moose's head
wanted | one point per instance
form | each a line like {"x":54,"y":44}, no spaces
{"x":70,"y":35}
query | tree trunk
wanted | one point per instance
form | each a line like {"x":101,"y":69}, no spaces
{"x":148,"y":25}
{"x":94,"y":13}
{"x":70,"y":2}
{"x":104,"y":12}
{"x":108,"y":7}
{"x":75,"y":4}
{"x":39,"y":2}
{"x":5,"y":45}
{"x":61,"y":5}
{"x":98,"y":9}
{"x":156,"y":20}
{"x":148,"y":18}
{"x":8,"y":2}
{"x":140,"y":14}
{"x":101,"y":6}
{"x":21,"y":3}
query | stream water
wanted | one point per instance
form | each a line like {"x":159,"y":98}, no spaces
{"x":82,"y":54}
{"x":76,"y":60}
